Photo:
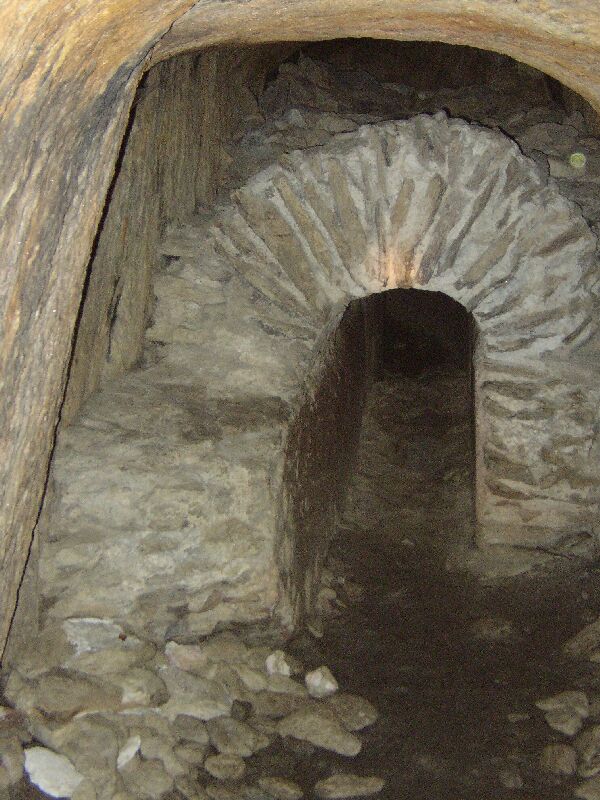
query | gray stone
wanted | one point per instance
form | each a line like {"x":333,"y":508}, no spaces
{"x":220,"y":791}
{"x":285,"y":685}
{"x":254,"y":680}
{"x":587,"y":747}
{"x":51,"y":772}
{"x":280,"y":788}
{"x":190,"y":788}
{"x":12,"y":757}
{"x":276,"y":664}
{"x":320,"y":727}
{"x":157,"y":747}
{"x":92,"y":744}
{"x":321,"y":683}
{"x":354,"y":712}
{"x":190,"y":729}
{"x":62,"y":694}
{"x":146,"y":780}
{"x":193,"y":696}
{"x":589,"y":790}
{"x":559,"y":759}
{"x":129,"y":750}
{"x":225,"y":767}
{"x":276,"y":704}
{"x":566,"y":711}
{"x":140,"y":687}
{"x":232,"y":737}
{"x":348,"y":785}
{"x":190,"y":753}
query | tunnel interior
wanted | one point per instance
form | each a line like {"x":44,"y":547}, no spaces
{"x":329,"y":393}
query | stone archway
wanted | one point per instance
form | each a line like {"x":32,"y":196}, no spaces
{"x":437,"y":204}
{"x":76,"y":84}
{"x":239,"y":415}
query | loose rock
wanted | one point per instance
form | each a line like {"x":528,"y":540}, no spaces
{"x":128,"y":751}
{"x":146,"y":779}
{"x":587,"y":746}
{"x":348,"y":785}
{"x":190,"y":729}
{"x":320,"y":727}
{"x":566,"y":711}
{"x":51,"y":772}
{"x":589,"y":790}
{"x":280,"y":788}
{"x":276,"y":664}
{"x":225,"y":767}
{"x":321,"y":683}
{"x":354,"y":712}
{"x":232,"y":737}
{"x":559,"y":759}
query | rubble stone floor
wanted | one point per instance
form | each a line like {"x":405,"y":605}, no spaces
{"x":453,"y":666}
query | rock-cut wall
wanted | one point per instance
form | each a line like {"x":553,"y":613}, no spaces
{"x":200,"y":488}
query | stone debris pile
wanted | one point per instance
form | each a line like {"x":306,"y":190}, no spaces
{"x":139,"y":721}
{"x":575,"y":714}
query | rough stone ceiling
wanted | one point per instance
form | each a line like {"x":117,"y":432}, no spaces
{"x":67,"y":80}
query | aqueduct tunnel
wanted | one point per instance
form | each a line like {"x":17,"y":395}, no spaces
{"x":231,"y":243}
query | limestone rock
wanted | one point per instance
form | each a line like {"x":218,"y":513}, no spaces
{"x":589,"y":790}
{"x":232,"y":737}
{"x":91,"y":743}
{"x":128,"y":751}
{"x":62,"y":694}
{"x":583,"y":644}
{"x":348,"y":785}
{"x":566,"y":711}
{"x":51,"y":772}
{"x":140,"y":687}
{"x":189,"y":658}
{"x":256,"y":657}
{"x":285,"y":685}
{"x":587,"y":746}
{"x":280,"y":788}
{"x":320,"y":727}
{"x":354,"y":712}
{"x":321,"y":683}
{"x":193,"y":696}
{"x":190,"y":788}
{"x":276,"y":704}
{"x":225,"y":767}
{"x":220,"y":791}
{"x":146,"y":780}
{"x":190,"y":729}
{"x":277,"y":664}
{"x":190,"y":753}
{"x":559,"y":759}
{"x":157,"y":747}
{"x":253,"y":679}
{"x":49,"y":649}
{"x":12,"y":757}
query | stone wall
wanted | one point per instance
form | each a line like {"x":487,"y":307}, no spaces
{"x":321,"y":445}
{"x":171,"y":165}
{"x":67,"y":81}
{"x":201,"y":488}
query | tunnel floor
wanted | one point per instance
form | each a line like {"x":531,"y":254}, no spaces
{"x":454,"y":667}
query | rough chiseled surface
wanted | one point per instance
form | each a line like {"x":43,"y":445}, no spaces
{"x":212,"y":476}
{"x":68,"y":78}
